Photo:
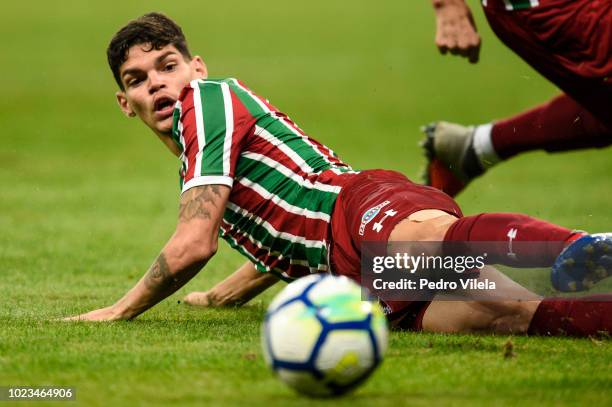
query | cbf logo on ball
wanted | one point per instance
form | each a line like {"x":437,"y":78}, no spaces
{"x":369,"y":215}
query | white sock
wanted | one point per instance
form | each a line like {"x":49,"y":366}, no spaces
{"x":483,"y":146}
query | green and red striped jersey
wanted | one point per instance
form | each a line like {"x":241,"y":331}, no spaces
{"x":513,"y":4}
{"x":284,"y":183}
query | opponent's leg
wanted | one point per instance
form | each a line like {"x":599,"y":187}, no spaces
{"x":558,"y":125}
{"x":457,"y":154}
{"x":569,"y":43}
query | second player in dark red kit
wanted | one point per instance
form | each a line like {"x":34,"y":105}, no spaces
{"x":569,"y":42}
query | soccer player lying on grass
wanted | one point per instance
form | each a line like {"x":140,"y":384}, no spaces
{"x":569,"y":43}
{"x":292,"y":207}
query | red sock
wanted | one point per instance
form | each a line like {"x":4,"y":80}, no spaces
{"x":558,"y":125}
{"x":515,"y":234}
{"x":573,"y":316}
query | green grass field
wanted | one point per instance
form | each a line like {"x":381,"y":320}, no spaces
{"x":89,"y":197}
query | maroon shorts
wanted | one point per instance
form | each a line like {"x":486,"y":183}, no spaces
{"x":568,"y":41}
{"x":368,"y":208}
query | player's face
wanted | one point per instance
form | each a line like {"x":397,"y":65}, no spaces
{"x":153,"y":80}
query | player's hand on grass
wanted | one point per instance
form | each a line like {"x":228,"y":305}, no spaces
{"x":102,"y":314}
{"x":235,"y":290}
{"x":455,"y":29}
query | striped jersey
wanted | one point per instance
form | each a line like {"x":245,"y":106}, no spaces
{"x":512,"y":4}
{"x":284,"y":184}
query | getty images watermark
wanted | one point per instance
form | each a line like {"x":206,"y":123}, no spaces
{"x":471,"y":271}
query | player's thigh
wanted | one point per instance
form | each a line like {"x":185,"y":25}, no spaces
{"x":424,"y":225}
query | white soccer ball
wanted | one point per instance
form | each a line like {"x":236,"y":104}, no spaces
{"x":320,"y":338}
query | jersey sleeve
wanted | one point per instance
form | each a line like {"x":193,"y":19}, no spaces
{"x":211,"y":129}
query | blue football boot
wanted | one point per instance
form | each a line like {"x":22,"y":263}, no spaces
{"x":583,"y":263}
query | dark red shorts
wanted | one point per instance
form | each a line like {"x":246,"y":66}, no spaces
{"x":368,"y":208}
{"x":568,"y":41}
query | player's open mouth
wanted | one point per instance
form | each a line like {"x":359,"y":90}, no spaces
{"x":164,"y":106}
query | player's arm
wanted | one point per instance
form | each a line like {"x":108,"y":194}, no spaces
{"x":235,"y":290}
{"x":455,"y":29}
{"x":191,"y":246}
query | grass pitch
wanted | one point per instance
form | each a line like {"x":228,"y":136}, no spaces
{"x":89,"y":197}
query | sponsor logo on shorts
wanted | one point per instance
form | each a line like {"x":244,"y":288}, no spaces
{"x":369,"y":215}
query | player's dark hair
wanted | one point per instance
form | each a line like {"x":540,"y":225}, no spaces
{"x":153,"y":29}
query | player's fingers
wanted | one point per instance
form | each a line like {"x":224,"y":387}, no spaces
{"x":442,"y":47}
{"x":469,"y":48}
{"x":474,"y":50}
{"x":441,"y":44}
{"x":456,"y":51}
{"x":474,"y":54}
{"x":463,"y":51}
{"x":450,"y":45}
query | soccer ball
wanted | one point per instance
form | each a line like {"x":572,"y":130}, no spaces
{"x":320,"y":338}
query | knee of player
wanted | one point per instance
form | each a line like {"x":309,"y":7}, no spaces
{"x":514,"y":318}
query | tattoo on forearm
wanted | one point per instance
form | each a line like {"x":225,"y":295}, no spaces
{"x":193,"y":202}
{"x":159,"y":275}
